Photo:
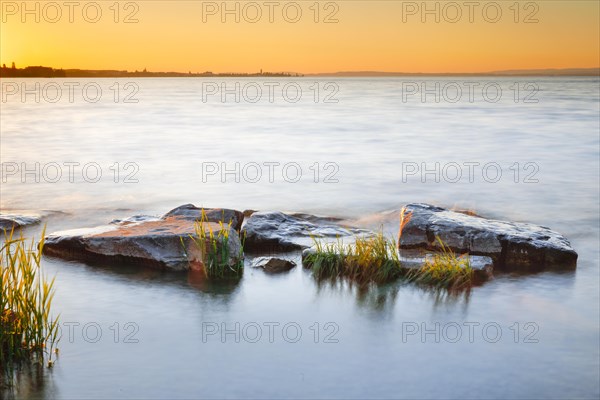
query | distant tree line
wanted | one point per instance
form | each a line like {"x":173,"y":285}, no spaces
{"x":31,"y":72}
{"x":48,"y":72}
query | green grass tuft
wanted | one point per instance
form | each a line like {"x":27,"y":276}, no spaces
{"x":28,"y":332}
{"x":444,"y":270}
{"x":215,"y":250}
{"x":376,"y":260}
{"x":369,"y":259}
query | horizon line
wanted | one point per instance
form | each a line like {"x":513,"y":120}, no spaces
{"x":587,"y":71}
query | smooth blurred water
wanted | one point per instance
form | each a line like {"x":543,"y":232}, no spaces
{"x":369,"y":133}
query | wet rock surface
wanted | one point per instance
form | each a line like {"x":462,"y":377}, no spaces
{"x":193,"y":213}
{"x":274,"y":231}
{"x":511,"y":245}
{"x":273,"y":265}
{"x":163,"y":243}
{"x":10,"y":221}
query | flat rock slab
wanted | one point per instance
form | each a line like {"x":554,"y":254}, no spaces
{"x":510,"y":245}
{"x":10,"y":221}
{"x":273,"y":265}
{"x":155,"y":242}
{"x":274,"y":231}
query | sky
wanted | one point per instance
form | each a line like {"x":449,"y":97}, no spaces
{"x":301,"y":36}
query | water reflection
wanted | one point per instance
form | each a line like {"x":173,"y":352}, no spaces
{"x":565,"y":275}
{"x":382,"y":299}
{"x":372,"y":297}
{"x":29,"y":381}
{"x":139,"y":274}
{"x":448,"y":298}
{"x":214,"y":288}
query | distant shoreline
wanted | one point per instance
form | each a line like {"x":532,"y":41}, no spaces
{"x":508,"y":73}
{"x":48,"y":72}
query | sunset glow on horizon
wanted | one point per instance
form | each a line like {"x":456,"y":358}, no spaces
{"x":304,"y":37}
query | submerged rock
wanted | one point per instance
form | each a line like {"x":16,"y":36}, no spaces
{"x":274,"y":231}
{"x":164,"y":242}
{"x":10,"y":221}
{"x":273,"y":265}
{"x":510,"y":245}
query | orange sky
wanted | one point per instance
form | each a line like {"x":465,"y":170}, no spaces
{"x":369,"y":35}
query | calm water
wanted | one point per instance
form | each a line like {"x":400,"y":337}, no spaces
{"x":369,"y":344}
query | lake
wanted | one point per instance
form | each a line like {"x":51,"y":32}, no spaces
{"x":85,"y":151}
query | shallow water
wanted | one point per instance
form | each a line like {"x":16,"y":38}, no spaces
{"x":369,"y":349}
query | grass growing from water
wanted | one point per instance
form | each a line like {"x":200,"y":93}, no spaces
{"x":445,"y":269}
{"x":215,"y":250}
{"x":28,"y":332}
{"x":370,"y":259}
{"x":376,"y":260}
